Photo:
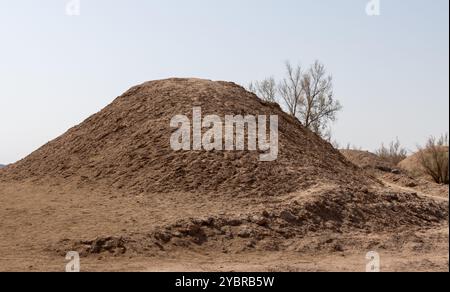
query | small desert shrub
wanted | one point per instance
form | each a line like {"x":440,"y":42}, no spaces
{"x":434,"y":159}
{"x":392,"y":154}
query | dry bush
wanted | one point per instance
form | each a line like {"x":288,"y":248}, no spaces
{"x":393,"y":154}
{"x":307,"y":95}
{"x":266,"y":89}
{"x":434,"y":159}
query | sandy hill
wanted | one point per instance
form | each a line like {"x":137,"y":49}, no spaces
{"x":367,"y":160}
{"x":412,"y":164}
{"x":113,"y":187}
{"x":127,"y":146}
{"x":407,"y":174}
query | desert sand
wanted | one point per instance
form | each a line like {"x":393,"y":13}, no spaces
{"x":113,"y":190}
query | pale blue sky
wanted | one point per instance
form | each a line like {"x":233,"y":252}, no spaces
{"x":391,"y":72}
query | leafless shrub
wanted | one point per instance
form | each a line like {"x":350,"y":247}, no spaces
{"x":266,"y":89}
{"x":307,"y":95}
{"x":291,"y":90}
{"x":318,"y":107}
{"x":434,"y":159}
{"x":394,"y":153}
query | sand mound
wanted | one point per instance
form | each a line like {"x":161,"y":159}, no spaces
{"x":127,"y":146}
{"x":367,"y":160}
{"x":282,"y":228}
{"x":407,"y":174}
{"x":413,"y":166}
{"x":381,"y":169}
{"x":112,"y":186}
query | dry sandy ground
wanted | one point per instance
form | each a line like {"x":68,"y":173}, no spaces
{"x":114,"y":190}
{"x":33,"y":219}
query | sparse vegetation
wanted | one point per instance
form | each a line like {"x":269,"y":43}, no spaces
{"x":307,"y":95}
{"x":394,"y":153}
{"x":434,"y":159}
{"x":266,"y":89}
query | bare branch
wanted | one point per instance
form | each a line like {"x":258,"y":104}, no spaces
{"x":266,"y":89}
{"x":306,"y":95}
{"x":434,"y":159}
